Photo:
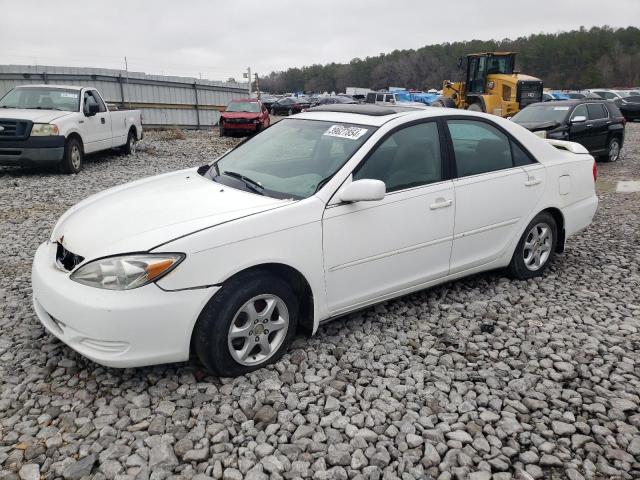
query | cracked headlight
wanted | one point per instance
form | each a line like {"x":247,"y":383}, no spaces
{"x":126,"y":272}
{"x":44,"y":130}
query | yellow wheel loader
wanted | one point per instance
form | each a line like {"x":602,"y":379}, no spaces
{"x":491,"y":85}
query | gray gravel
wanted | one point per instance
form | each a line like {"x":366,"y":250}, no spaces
{"x":484,"y":378}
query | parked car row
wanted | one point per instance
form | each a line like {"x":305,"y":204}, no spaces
{"x":628,"y":101}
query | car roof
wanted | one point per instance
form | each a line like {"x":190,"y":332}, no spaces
{"x":569,"y":103}
{"x":43,"y":85}
{"x":374,"y":115}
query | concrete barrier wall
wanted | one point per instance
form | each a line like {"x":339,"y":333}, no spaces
{"x":164,"y":100}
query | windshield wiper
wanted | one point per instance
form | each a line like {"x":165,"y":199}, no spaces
{"x":251,"y":184}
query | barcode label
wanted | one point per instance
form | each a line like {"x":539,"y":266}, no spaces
{"x":343,"y":131}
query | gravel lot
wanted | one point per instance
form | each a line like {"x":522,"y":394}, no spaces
{"x":481,"y":378}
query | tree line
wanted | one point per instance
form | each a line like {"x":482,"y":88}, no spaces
{"x":584,"y":58}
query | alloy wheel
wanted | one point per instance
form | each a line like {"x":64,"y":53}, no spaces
{"x":76,"y":158}
{"x":614,"y":150}
{"x":537,"y":246}
{"x":258,"y":329}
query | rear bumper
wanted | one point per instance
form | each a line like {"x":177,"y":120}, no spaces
{"x":33,"y":150}
{"x":579,"y":215}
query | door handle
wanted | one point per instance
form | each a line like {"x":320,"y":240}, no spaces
{"x":102,"y":120}
{"x":532,"y":181}
{"x":589,"y":125}
{"x":441,"y":203}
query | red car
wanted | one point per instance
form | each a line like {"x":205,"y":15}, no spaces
{"x":246,"y":115}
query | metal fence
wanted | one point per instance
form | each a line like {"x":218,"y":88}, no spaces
{"x":164,"y":100}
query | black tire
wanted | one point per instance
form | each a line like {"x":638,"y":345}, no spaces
{"x":613,"y":150}
{"x":73,"y":159}
{"x":445,"y":102}
{"x":273,"y":112}
{"x":223,"y":132}
{"x":129,"y":148}
{"x":210,"y":335}
{"x":476,"y":107}
{"x":290,"y":112}
{"x":518,"y":267}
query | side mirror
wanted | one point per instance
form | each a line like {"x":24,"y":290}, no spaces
{"x":363,"y":191}
{"x":579,"y":119}
{"x":92,"y":109}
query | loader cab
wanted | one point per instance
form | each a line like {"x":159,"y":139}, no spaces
{"x":480,"y":65}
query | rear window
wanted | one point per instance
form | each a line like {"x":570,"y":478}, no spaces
{"x":596,"y":111}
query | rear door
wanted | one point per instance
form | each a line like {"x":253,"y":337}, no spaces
{"x":600,"y":121}
{"x":494,"y":194}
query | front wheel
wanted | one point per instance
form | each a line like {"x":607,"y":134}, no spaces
{"x":248,"y":324}
{"x":536,"y":248}
{"x":73,"y":156}
{"x":290,"y":112}
{"x":613,"y":150}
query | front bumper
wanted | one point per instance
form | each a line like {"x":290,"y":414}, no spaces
{"x":245,"y":127}
{"x":131,"y":328}
{"x":33,"y":150}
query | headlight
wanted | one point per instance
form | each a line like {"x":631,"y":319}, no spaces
{"x":126,"y":271}
{"x":44,"y":129}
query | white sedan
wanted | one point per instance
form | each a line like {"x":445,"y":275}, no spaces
{"x":319,"y":215}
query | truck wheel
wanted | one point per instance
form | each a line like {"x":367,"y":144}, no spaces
{"x":129,"y":148}
{"x":475,"y":107}
{"x":535,"y":249}
{"x":613,"y":150}
{"x":73,"y":156}
{"x":445,"y":102}
{"x":248,"y":324}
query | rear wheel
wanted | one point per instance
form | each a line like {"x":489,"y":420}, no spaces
{"x":475,"y":107}
{"x":536,"y":248}
{"x":613,"y":150}
{"x":73,"y":156}
{"x":248,"y":324}
{"x":129,"y":148}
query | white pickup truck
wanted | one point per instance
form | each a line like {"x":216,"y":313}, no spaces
{"x":59,"y":124}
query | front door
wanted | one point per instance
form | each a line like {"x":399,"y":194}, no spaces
{"x":494,"y":193}
{"x":376,"y":249}
{"x":580,"y":132}
{"x":95,"y":129}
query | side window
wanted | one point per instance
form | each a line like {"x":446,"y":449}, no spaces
{"x":520,"y":157}
{"x":580,"y":111}
{"x":379,"y":97}
{"x":596,"y":111}
{"x":89,"y":99}
{"x":479,"y":147}
{"x":408,"y":158}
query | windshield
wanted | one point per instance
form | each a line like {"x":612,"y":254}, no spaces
{"x":42,"y":98}
{"x":542,"y":113}
{"x":292,"y":158}
{"x":243,"y":107}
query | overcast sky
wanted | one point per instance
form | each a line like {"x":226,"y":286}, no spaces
{"x":219,"y":39}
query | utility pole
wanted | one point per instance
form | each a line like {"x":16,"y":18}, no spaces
{"x":126,"y":68}
{"x":247,"y":75}
{"x":257,"y":85}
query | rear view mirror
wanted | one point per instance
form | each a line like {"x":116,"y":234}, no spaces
{"x":363,"y":191}
{"x":579,"y":119}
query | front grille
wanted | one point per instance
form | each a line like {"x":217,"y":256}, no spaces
{"x":529,"y":91}
{"x":14,"y":129}
{"x":66,"y":259}
{"x":238,"y":120}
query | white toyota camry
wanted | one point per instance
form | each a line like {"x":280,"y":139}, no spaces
{"x":321,"y":214}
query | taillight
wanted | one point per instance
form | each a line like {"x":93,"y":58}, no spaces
{"x":595,"y":171}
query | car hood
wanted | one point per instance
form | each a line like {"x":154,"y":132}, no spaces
{"x":36,"y":116}
{"x":240,"y":114}
{"x":546,"y":125}
{"x":141,"y":215}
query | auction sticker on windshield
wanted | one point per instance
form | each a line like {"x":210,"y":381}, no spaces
{"x":561,"y":108}
{"x":68,"y":95}
{"x":343,"y":131}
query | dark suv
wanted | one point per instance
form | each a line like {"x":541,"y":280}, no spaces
{"x":596,"y":124}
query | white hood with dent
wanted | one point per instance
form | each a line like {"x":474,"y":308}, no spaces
{"x":138,"y":216}
{"x":35,"y":115}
